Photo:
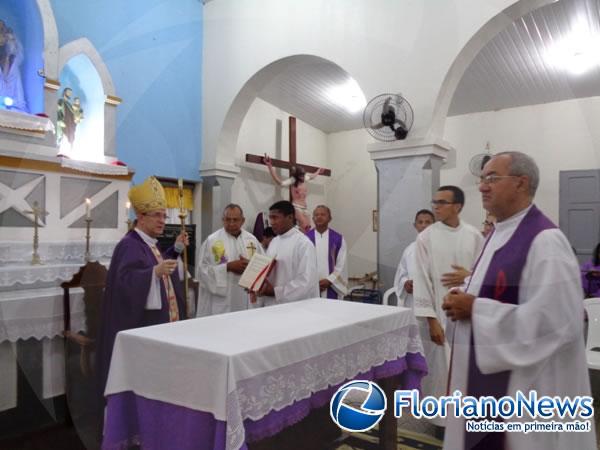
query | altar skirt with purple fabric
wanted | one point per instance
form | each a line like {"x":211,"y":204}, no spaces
{"x":224,"y":381}
{"x":156,"y":425}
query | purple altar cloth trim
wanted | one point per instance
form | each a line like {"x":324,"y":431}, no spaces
{"x":135,"y":420}
{"x":276,"y":421}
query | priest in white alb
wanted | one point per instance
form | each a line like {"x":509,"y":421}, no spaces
{"x":295,"y":274}
{"x":403,"y":281}
{"x":331,"y":255}
{"x":444,"y":252}
{"x":519,"y":319}
{"x":223,"y":257}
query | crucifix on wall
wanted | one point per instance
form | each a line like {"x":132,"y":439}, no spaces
{"x":299,"y":174}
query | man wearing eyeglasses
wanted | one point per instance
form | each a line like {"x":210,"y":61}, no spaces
{"x":224,"y":256}
{"x":519,"y":320}
{"x":442,"y":253}
{"x":143,"y":286}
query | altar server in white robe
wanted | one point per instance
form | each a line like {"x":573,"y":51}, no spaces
{"x":331,"y":255}
{"x":223,"y":257}
{"x":295,"y":274}
{"x":443,"y":253}
{"x":403,"y":281}
{"x":519,"y":319}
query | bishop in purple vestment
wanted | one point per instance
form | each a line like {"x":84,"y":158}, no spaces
{"x":143,"y":286}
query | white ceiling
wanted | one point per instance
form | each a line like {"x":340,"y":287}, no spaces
{"x":302,"y":91}
{"x":510,"y":71}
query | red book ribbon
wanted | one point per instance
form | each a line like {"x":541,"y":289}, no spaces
{"x":260,"y":274}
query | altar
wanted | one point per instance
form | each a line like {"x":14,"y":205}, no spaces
{"x":54,"y":193}
{"x":228,"y":380}
{"x":37,"y":254}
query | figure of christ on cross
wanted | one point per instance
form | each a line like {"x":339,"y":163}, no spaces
{"x":299,"y":175}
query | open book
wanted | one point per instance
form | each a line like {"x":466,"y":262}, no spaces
{"x":256,"y":272}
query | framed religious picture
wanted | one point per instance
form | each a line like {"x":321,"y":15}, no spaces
{"x":375,"y":220}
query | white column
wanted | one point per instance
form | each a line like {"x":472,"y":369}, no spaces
{"x":216,"y":194}
{"x":408,"y":173}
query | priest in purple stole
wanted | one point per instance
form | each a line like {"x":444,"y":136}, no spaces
{"x":331,"y":255}
{"x":519,"y":321}
{"x":143,"y":285}
{"x":590,"y":274}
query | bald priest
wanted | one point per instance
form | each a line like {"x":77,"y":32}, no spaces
{"x":143,"y":286}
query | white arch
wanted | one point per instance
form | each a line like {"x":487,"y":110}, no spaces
{"x":232,"y":123}
{"x":85,"y":47}
{"x":50,"y":39}
{"x":479,"y":40}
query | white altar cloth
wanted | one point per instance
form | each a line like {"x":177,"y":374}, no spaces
{"x":52,"y":254}
{"x":245,"y":364}
{"x":27,"y":274}
{"x":36,"y":313}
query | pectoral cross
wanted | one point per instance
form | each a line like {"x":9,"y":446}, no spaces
{"x":251,"y":249}
{"x":292,"y":155}
{"x":37,"y":213}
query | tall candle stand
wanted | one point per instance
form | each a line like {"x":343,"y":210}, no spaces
{"x":35,"y":257}
{"x":88,"y":256}
{"x":182,"y":216}
{"x":37,"y":212}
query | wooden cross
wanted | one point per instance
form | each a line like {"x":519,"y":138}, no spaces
{"x":257,"y":159}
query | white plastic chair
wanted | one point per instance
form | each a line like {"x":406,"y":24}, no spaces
{"x":387,"y":294}
{"x":592,"y":345}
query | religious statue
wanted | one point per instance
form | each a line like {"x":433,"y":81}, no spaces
{"x":68,"y":115}
{"x":298,"y":190}
{"x":11,"y":57}
{"x":77,"y":111}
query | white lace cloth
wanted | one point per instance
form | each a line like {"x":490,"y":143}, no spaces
{"x":23,"y":121}
{"x":38,"y":313}
{"x":53,"y":252}
{"x":245,"y":364}
{"x":93,"y":167}
{"x":27,"y":275}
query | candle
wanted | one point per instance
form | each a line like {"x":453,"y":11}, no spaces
{"x":127,"y":206}
{"x":88,"y":212}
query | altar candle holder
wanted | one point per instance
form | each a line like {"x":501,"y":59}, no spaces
{"x":88,"y":222}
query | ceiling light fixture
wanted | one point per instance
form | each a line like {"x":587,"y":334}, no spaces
{"x":348,"y":95}
{"x":578,"y":52}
